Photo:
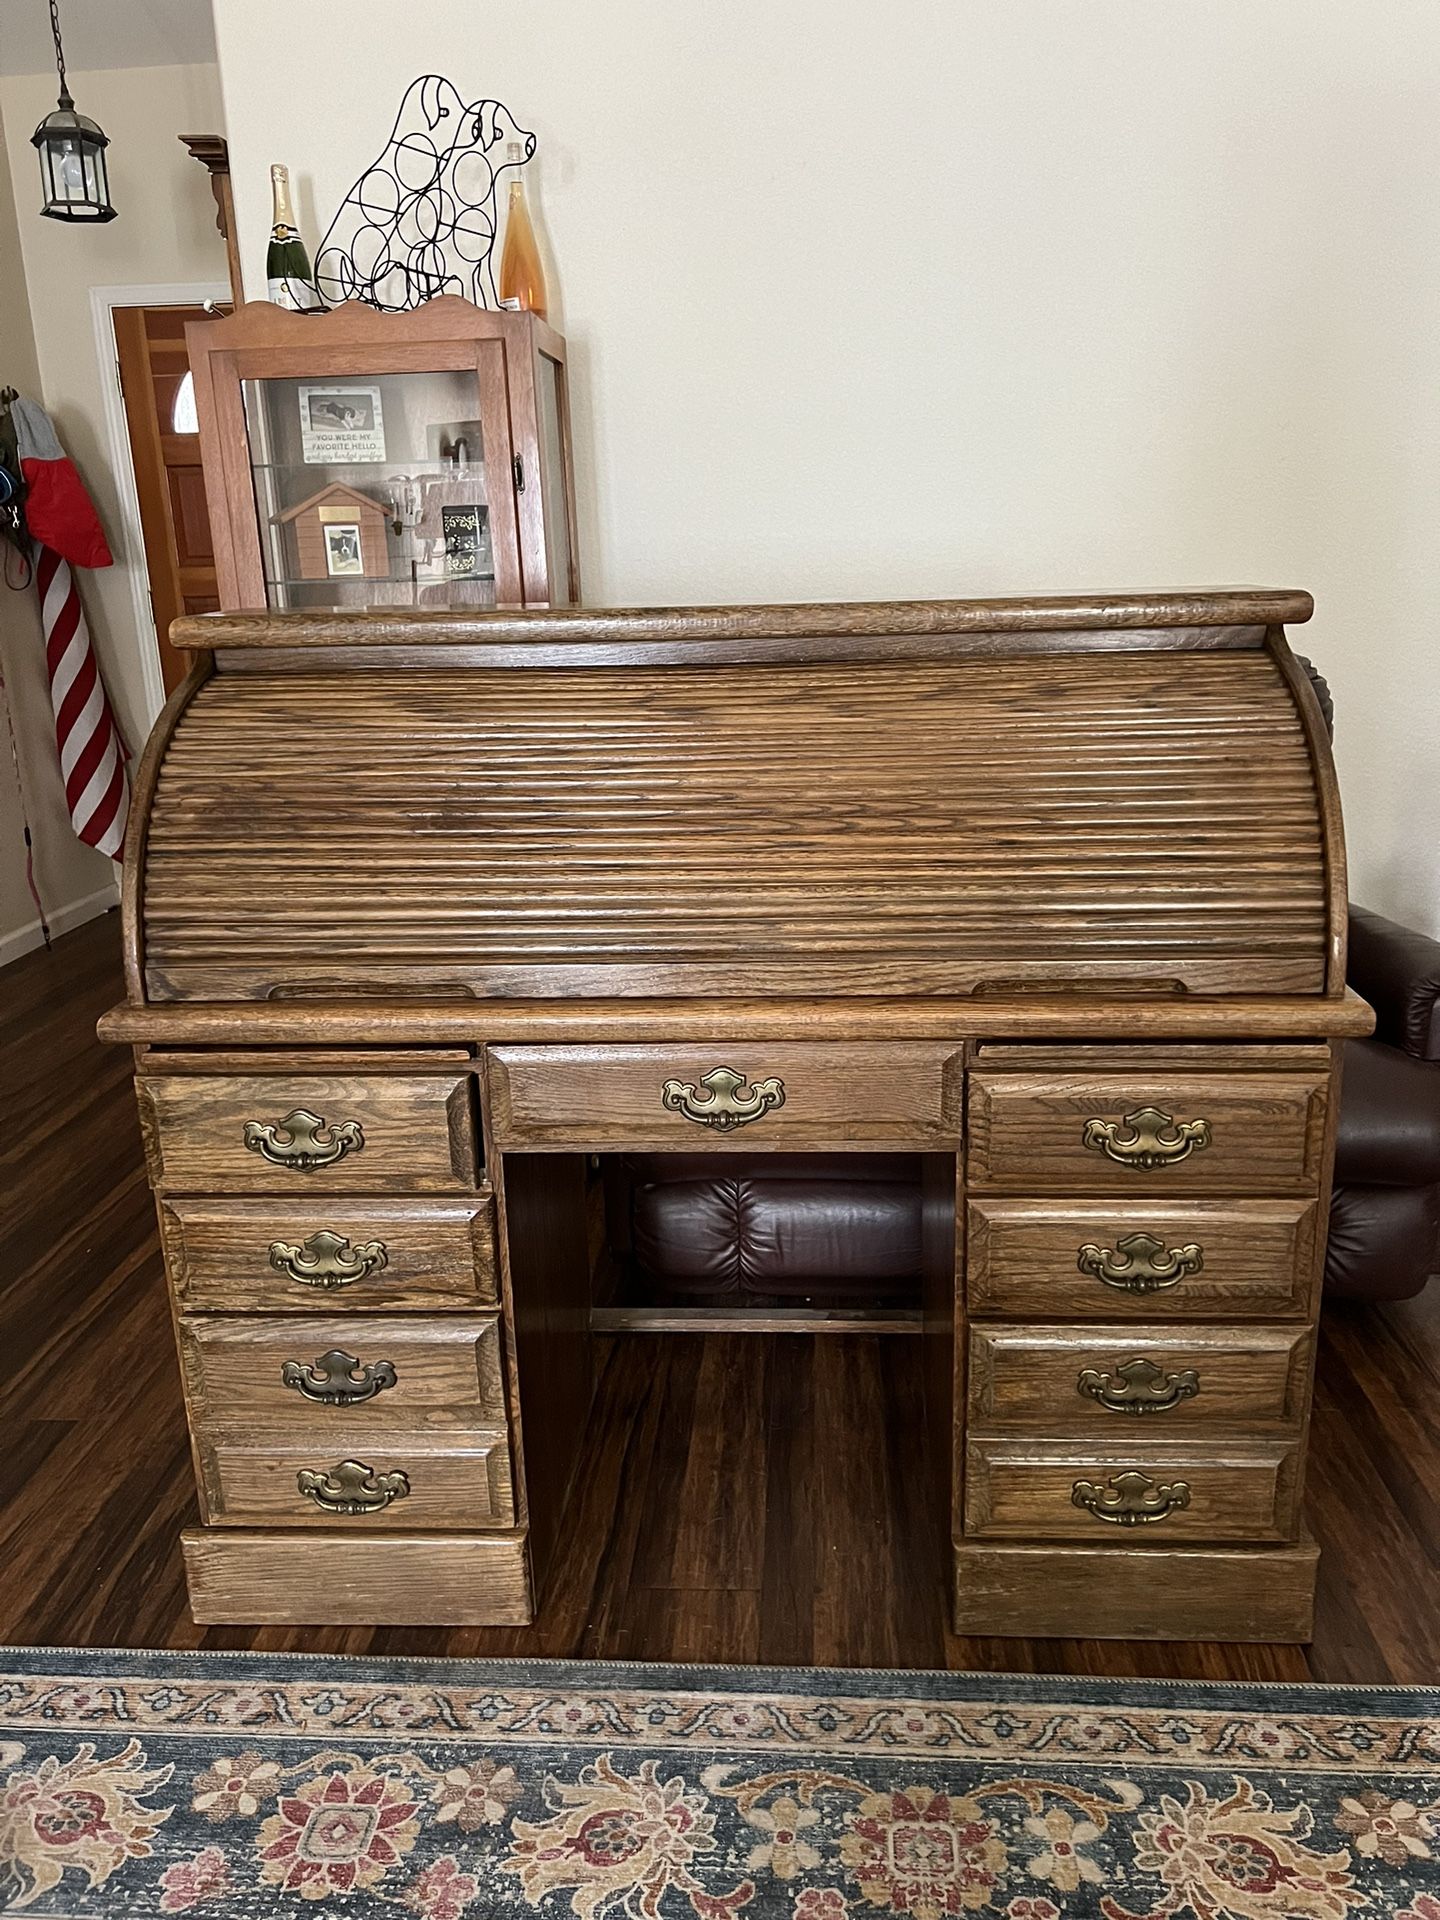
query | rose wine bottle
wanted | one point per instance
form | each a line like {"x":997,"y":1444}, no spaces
{"x":522,"y":278}
{"x":287,"y":265}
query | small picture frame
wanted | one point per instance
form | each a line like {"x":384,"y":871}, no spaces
{"x":466,"y":534}
{"x":341,"y":425}
{"x":344,"y":556}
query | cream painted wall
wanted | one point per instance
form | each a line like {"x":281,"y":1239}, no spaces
{"x":164,"y":234}
{"x":72,"y":879}
{"x":970,"y":296}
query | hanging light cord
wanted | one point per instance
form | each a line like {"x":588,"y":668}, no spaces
{"x":65,"y":99}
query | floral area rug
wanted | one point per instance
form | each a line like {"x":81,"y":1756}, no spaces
{"x":241,"y":1786}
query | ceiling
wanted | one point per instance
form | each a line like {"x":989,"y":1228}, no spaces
{"x":105,"y":33}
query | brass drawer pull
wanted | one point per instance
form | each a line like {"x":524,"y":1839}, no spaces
{"x":1139,"y":1263}
{"x":1130,"y":1499}
{"x":1153,"y":1140}
{"x":723,"y":1106}
{"x":352,"y":1487}
{"x":303,"y":1140}
{"x":337,"y":1379}
{"x":1138,"y":1386}
{"x":327,"y":1260}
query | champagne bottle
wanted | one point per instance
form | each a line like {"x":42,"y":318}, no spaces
{"x":287,"y":265}
{"x":522,"y":278}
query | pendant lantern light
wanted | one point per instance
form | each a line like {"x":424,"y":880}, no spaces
{"x":72,"y":153}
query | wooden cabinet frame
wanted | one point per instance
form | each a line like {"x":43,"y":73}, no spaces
{"x":503,"y":350}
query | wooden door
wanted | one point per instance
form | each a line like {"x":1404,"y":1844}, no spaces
{"x":169,"y":480}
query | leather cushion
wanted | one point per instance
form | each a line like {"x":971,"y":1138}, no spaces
{"x":1397,"y":969}
{"x":1384,"y":1242}
{"x":1389,"y":1132}
{"x":660,"y":1168}
{"x":777,"y":1234}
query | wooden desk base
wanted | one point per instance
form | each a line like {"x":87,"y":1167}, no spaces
{"x":1027,"y":1330}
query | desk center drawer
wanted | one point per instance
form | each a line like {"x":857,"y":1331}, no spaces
{"x":316,"y":1373}
{"x":297,"y":1132}
{"x":747,"y":1096}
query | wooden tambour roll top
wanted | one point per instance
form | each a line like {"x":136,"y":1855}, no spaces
{"x":961,"y":798}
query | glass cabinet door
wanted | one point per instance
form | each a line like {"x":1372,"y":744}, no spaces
{"x":379,"y":490}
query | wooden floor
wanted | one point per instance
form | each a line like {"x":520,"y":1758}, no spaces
{"x":754,"y":1498}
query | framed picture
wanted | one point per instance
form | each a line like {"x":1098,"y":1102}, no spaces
{"x":343,"y":554}
{"x":341,"y":425}
{"x":466,"y":534}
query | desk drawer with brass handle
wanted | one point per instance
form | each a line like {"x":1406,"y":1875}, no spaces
{"x":255,"y":1371}
{"x":309,"y":1252}
{"x":1059,"y":1380}
{"x":351,"y":1477}
{"x":1124,"y":1259}
{"x":1173,"y":1133}
{"x":1131,"y":1496}
{"x":753,"y":1096}
{"x":294,"y":1133}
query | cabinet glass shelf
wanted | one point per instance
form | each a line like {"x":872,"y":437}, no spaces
{"x":371,"y":490}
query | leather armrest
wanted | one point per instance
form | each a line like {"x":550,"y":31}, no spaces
{"x":1384,"y":1242}
{"x":1389,"y":1134}
{"x":1398,"y":971}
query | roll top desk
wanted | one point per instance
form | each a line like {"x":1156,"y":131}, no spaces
{"x":423,"y":911}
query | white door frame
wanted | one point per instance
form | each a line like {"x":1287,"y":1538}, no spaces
{"x":102,"y":301}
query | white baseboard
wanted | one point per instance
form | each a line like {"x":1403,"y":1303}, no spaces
{"x":73,"y":914}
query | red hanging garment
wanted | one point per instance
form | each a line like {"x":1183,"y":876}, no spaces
{"x":58,"y":510}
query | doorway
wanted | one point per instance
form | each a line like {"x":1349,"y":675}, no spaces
{"x":158,"y":398}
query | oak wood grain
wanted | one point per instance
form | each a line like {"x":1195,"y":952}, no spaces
{"x":1100,"y":613}
{"x":1116,"y":808}
{"x":447,"y":1371}
{"x":414,"y":1016}
{"x":421,"y":1579}
{"x":754,"y":1320}
{"x":547,"y":1293}
{"x":598,"y":1097}
{"x":91,"y":1510}
{"x":421,"y":650}
{"x":1027,"y":1379}
{"x":1199,"y":1593}
{"x":1327,"y":786}
{"x":1239,"y":1489}
{"x":1027,"y":1132}
{"x":458,"y":1480}
{"x":1257,"y":1258}
{"x":416,"y":1132}
{"x":438,"y":1253}
{"x":137,"y":822}
{"x":835,"y":828}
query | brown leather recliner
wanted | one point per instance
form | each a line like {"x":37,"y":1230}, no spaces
{"x":844,"y":1229}
{"x":1385,"y":1210}
{"x":767,"y":1228}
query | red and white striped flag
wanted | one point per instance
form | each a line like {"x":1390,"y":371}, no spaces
{"x":92,"y":753}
